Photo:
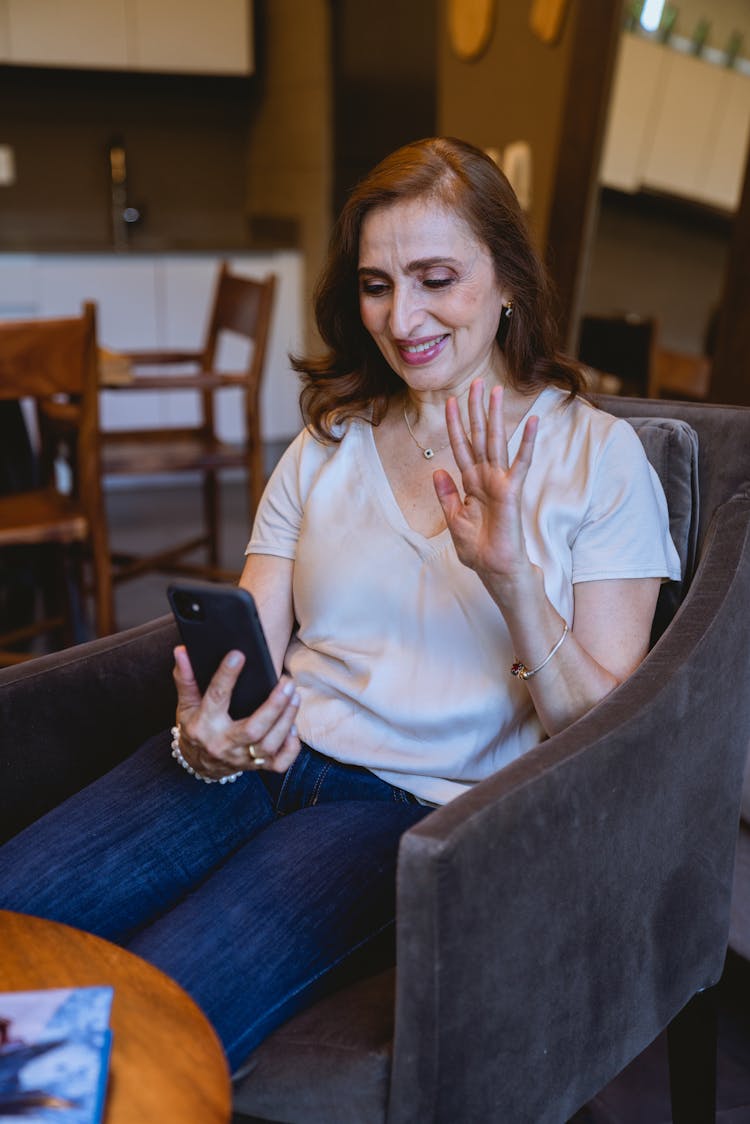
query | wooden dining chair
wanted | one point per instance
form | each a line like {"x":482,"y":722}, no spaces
{"x":242,"y":306}
{"x":53,"y":362}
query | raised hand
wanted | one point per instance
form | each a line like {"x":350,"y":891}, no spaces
{"x":486,"y":524}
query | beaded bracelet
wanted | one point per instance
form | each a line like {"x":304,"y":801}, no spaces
{"x":177,"y":754}
{"x":522,"y":671}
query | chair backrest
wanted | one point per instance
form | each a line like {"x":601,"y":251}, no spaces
{"x":54,"y":361}
{"x":723,"y":446}
{"x":41,"y":358}
{"x":623,"y":346}
{"x":241,"y":305}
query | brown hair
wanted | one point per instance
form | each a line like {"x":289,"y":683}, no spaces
{"x":352,"y":378}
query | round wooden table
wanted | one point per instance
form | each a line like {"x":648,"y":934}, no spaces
{"x":167,"y":1063}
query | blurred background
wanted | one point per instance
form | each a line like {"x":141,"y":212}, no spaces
{"x":144,"y":142}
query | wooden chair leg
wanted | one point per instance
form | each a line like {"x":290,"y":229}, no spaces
{"x":691,"y":1041}
{"x":212,"y":516}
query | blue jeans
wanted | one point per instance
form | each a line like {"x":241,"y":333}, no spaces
{"x":256,"y":912}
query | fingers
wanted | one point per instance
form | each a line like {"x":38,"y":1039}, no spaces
{"x":214,"y":743}
{"x":447,"y":494}
{"x":187,"y":689}
{"x":487,"y":429}
{"x":497,"y":446}
{"x":478,"y":420}
{"x":462,"y":451}
{"x":526,"y":448}
{"x":271,"y":730}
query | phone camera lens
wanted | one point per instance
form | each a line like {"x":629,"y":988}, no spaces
{"x":188,"y":606}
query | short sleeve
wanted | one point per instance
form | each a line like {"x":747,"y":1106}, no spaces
{"x":625,"y":531}
{"x":279,"y":515}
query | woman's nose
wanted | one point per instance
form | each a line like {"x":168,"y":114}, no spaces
{"x":405,"y":311}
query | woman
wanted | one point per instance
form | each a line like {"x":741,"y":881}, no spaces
{"x":457,"y":556}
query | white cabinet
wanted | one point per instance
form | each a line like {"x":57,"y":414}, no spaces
{"x":163,"y":301}
{"x":67,"y":32}
{"x":191,"y":35}
{"x":682,"y":123}
{"x":185,"y":36}
{"x":635,"y":91}
{"x":677,"y":125}
{"x":725,"y":166}
{"x":18,"y":298}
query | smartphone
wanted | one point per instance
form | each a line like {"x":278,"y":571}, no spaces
{"x":212,"y":620}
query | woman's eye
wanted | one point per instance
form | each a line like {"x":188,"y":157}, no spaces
{"x":437,"y":282}
{"x":373,"y":288}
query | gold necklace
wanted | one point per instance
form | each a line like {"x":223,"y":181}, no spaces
{"x":427,"y":451}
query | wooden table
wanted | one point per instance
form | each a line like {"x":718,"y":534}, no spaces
{"x":166,"y":1063}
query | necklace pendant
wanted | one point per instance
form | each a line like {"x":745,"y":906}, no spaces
{"x":428,"y":454}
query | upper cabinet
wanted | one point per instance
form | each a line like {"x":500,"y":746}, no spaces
{"x":192,"y":35}
{"x":166,"y":36}
{"x":677,"y":124}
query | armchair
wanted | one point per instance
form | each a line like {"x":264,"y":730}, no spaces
{"x":552,"y":921}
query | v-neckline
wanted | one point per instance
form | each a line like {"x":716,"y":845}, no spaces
{"x":392,"y":508}
{"x":390,"y":505}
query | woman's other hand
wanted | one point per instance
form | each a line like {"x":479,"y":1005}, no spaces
{"x":486,"y":525}
{"x":217,"y":745}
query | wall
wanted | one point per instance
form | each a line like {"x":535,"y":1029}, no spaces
{"x":657,"y":258}
{"x":385,"y":85}
{"x":514,"y":91}
{"x":290,"y":136}
{"x":185,"y":139}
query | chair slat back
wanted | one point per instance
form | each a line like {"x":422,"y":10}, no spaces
{"x":40,"y":358}
{"x":241,"y":305}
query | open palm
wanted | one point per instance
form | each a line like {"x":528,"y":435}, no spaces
{"x":486,"y":524}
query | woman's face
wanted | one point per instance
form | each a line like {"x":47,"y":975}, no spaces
{"x":429,"y":297}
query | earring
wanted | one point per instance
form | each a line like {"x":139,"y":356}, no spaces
{"x":505,"y":314}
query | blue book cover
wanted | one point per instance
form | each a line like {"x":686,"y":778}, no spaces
{"x":54,"y":1055}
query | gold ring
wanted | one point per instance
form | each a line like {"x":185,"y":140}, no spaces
{"x":257,"y":761}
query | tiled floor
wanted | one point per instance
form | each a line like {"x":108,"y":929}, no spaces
{"x":640,"y":1095}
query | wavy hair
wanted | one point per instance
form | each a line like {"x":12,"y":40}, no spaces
{"x":352,"y":378}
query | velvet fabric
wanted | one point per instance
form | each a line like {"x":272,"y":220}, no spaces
{"x":552,"y":921}
{"x":672,"y":447}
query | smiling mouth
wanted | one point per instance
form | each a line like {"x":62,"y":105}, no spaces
{"x":419,"y":348}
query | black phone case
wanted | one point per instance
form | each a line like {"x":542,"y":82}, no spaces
{"x":214,"y":619}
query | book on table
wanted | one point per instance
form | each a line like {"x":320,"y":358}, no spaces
{"x":54,"y":1054}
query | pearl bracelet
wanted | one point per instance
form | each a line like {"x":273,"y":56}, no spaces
{"x":177,"y":754}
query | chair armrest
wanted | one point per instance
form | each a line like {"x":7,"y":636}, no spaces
{"x":555,"y":918}
{"x":67,"y":718}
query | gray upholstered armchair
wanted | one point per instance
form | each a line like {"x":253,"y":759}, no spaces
{"x":552,"y":921}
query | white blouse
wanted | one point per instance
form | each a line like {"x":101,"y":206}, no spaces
{"x":401,"y":656}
